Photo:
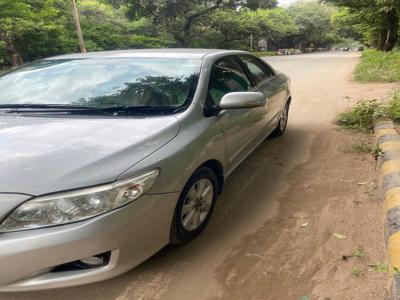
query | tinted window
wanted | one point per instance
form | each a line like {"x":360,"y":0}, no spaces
{"x":102,"y":82}
{"x":257,"y":69}
{"x":226,"y":77}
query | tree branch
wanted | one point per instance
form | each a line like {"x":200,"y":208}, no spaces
{"x":191,"y":18}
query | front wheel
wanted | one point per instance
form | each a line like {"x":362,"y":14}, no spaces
{"x":282,"y":124}
{"x":195,"y":206}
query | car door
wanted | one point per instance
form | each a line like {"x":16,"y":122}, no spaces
{"x":268,"y":82}
{"x":240,"y":127}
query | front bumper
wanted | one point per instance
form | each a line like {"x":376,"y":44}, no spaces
{"x":132,"y":234}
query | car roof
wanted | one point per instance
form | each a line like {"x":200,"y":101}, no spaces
{"x":189,"y":53}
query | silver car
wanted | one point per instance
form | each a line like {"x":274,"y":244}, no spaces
{"x":107,"y":157}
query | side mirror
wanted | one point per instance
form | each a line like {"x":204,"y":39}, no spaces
{"x":238,"y":100}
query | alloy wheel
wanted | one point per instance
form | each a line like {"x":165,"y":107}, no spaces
{"x":197,"y":204}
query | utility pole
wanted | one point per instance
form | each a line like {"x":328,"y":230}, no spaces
{"x":78,"y":26}
{"x":251,"y":42}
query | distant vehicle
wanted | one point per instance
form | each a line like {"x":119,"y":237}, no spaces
{"x":283,"y":52}
{"x":360,"y":49}
{"x":297,"y":51}
{"x":345,"y":49}
{"x":110,"y":156}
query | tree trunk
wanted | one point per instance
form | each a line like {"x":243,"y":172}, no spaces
{"x":382,"y":34}
{"x":392,"y":33}
{"x":13,"y":55}
{"x":78,"y":26}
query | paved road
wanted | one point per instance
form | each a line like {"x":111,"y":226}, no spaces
{"x":255,"y":246}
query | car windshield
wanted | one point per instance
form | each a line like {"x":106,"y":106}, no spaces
{"x":102,"y":83}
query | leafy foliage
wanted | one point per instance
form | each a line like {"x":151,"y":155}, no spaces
{"x":378,"y":66}
{"x":375,"y":20}
{"x":393,"y":108}
{"x":314,"y":23}
{"x":360,"y":116}
{"x":32,"y":29}
{"x":232,"y":29}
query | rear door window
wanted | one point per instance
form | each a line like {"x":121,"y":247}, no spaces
{"x":257,"y":69}
{"x":227,"y":76}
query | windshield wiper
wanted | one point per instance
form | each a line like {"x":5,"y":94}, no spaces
{"x":141,"y":110}
{"x":42,"y":106}
{"x":90,"y":110}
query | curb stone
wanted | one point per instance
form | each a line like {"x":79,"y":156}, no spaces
{"x":388,"y":140}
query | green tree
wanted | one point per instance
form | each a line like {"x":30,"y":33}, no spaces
{"x":107,"y":28}
{"x":314,"y":21}
{"x":31,"y":29}
{"x":259,"y":4}
{"x":230,"y":28}
{"x":377,"y":20}
{"x":345,"y":24}
{"x":176,"y":17}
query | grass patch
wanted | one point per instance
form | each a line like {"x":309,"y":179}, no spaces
{"x":380,"y":267}
{"x":355,"y":271}
{"x":360,"y":116}
{"x":358,"y":253}
{"x":392,"y":110}
{"x":264,"y":53}
{"x":360,"y":147}
{"x":378,"y":66}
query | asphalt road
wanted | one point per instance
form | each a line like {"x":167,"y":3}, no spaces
{"x":271,"y":234}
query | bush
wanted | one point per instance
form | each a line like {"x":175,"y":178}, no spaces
{"x":392,"y":110}
{"x":378,"y":66}
{"x":360,"y":116}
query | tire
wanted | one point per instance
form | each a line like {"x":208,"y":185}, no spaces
{"x":193,"y":211}
{"x":282,"y":124}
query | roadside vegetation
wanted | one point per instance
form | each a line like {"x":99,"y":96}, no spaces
{"x":361,"y":147}
{"x":361,"y":115}
{"x":378,"y":66}
{"x":374,"y":22}
{"x":393,"y":108}
{"x":264,"y":53}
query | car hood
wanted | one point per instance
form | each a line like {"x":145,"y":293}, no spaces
{"x":44,"y":155}
{"x":8,"y":202}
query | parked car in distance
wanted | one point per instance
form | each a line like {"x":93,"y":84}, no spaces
{"x":107,"y":157}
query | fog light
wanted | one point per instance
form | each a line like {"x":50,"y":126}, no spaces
{"x":90,"y":262}
{"x":93,"y":261}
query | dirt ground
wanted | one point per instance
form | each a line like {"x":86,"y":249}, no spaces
{"x":273,"y":232}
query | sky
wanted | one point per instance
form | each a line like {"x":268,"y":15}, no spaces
{"x":285,"y":2}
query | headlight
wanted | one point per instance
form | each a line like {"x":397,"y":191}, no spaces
{"x":69,"y":207}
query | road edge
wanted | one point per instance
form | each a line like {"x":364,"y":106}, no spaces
{"x":388,"y":155}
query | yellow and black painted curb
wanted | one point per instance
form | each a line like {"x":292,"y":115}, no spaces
{"x":388,"y":143}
